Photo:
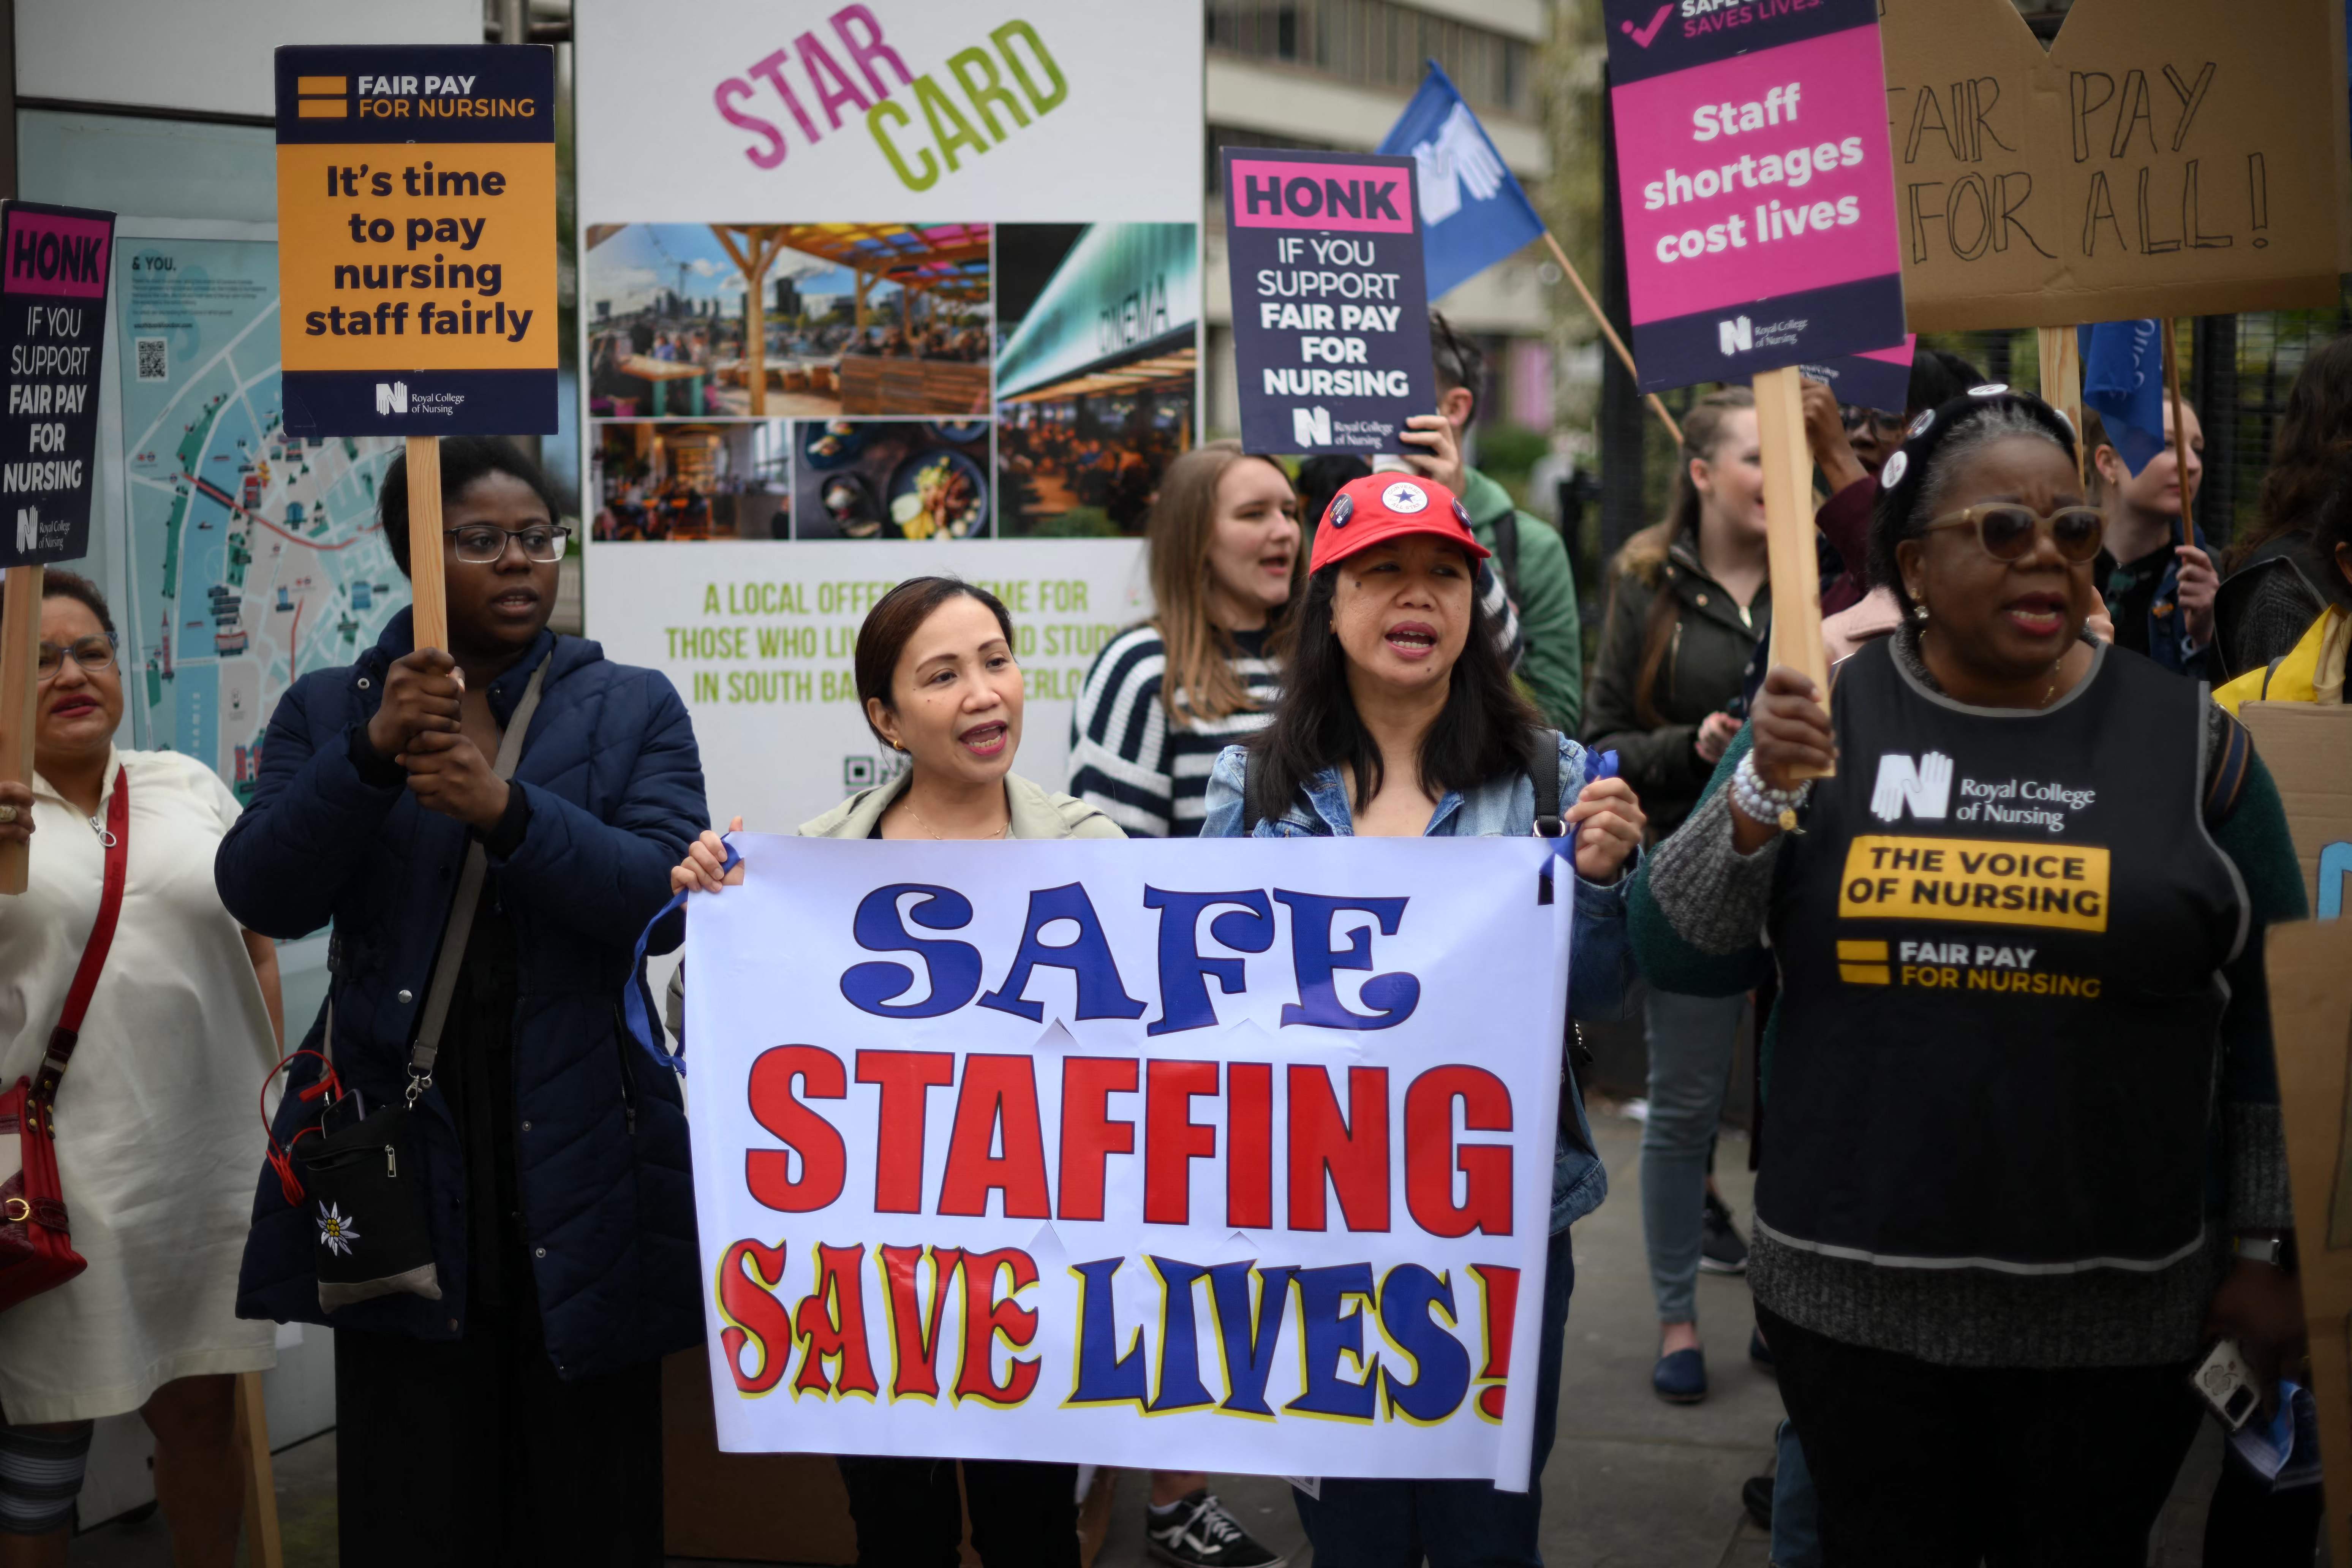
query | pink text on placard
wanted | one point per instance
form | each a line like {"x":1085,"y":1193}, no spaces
{"x":54,"y":254}
{"x":1356,"y":197}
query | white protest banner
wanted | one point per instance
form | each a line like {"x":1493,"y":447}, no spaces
{"x":1232,"y":1155}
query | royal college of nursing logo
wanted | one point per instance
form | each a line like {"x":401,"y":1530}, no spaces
{"x":1926,"y":786}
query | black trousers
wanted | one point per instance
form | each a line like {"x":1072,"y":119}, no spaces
{"x":472,"y":1451}
{"x":1942,"y":1466}
{"x":909,"y":1516}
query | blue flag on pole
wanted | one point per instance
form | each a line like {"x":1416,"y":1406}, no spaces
{"x":2123,"y":382}
{"x":1473,"y":213}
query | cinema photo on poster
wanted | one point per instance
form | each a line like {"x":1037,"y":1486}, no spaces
{"x":1097,"y":365}
{"x":803,"y":320}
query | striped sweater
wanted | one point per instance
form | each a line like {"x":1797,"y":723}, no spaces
{"x":1152,"y":776}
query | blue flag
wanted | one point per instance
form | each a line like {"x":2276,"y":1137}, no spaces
{"x":2123,"y":382}
{"x":1473,"y":213}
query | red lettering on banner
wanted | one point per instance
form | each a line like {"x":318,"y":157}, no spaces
{"x":1498,"y":1309}
{"x":824,"y":1160}
{"x":907,"y":1078}
{"x":831,"y":1323}
{"x":1089,"y":1136}
{"x":1172,"y":1140}
{"x":915,"y":1332}
{"x":1249,"y":1145}
{"x":1430,"y":1155}
{"x":1354,"y":1152}
{"x":996,"y":1090}
{"x":753,"y":1315}
{"x":986,"y":1318}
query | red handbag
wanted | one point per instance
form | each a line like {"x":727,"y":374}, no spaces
{"x":35,"y":1249}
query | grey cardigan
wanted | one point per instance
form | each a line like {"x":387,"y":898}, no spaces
{"x":1036,"y":813}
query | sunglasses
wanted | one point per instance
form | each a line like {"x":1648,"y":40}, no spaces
{"x":2008,"y":530}
{"x":1877,"y":421}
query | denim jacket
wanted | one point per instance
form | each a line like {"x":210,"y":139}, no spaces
{"x":1500,"y":807}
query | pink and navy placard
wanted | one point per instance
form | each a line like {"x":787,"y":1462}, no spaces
{"x":1756,"y":183}
{"x":54,"y":266}
{"x":1331,"y":306}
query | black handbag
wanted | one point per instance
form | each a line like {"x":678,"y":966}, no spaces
{"x":362,"y":1180}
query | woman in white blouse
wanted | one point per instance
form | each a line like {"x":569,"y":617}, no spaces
{"x":156,"y":1126}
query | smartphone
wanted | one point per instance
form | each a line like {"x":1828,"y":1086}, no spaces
{"x":2226,"y":1386}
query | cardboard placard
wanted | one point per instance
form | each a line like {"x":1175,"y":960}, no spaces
{"x":1756,"y":188}
{"x":2308,"y":749}
{"x":416,"y":239}
{"x":2310,"y":970}
{"x":2163,"y":158}
{"x":54,"y":266}
{"x":1330,"y":311}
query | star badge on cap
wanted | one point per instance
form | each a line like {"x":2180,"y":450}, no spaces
{"x":1405,"y":497}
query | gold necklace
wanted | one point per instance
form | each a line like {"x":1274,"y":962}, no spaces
{"x":936,"y":834}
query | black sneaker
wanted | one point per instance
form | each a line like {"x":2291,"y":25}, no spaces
{"x":1756,"y":1496}
{"x":1720,"y":1250}
{"x":1197,"y":1532}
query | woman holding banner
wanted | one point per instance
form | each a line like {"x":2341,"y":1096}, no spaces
{"x":1688,"y":599}
{"x":2019,"y":943}
{"x":153,"y":1126}
{"x":935,"y":674}
{"x":501,"y":1401}
{"x":1399,"y":718}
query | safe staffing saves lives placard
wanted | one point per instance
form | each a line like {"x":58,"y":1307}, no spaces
{"x":416,"y":239}
{"x":1756,"y":184}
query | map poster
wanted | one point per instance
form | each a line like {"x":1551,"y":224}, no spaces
{"x":1330,"y":312}
{"x":416,"y":209}
{"x":254,"y":556}
{"x":53,"y":326}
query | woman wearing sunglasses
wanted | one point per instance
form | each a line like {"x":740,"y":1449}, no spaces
{"x":154,"y":1115}
{"x":513,"y":1413}
{"x":2003,"y":1210}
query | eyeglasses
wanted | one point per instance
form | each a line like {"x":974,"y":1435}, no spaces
{"x":2008,"y":530}
{"x":95,"y":654}
{"x":485,"y":543}
{"x":1877,"y":421}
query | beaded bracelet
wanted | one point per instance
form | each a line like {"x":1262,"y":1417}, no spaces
{"x":1760,"y":802}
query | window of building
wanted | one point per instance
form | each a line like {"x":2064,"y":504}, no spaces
{"x":1378,"y":43}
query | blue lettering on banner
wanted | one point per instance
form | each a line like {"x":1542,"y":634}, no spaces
{"x":1392,"y":997}
{"x":953,"y":967}
{"x":1088,"y":956}
{"x":1183,"y":973}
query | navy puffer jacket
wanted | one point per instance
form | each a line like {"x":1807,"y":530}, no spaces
{"x":614,"y":788}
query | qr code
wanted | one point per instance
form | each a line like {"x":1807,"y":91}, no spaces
{"x":155,"y":364}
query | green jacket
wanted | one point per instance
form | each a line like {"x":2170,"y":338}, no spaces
{"x":1543,"y":585}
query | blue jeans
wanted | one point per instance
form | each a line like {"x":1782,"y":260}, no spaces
{"x":1690,"y":1041}
{"x":1796,"y":1513}
{"x":1360,"y":1523}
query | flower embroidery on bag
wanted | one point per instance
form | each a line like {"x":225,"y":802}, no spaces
{"x":336,"y":1232}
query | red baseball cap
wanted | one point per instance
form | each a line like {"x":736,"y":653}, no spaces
{"x":1382,"y":507}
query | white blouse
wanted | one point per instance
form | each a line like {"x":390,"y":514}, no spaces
{"x":159,"y":1136}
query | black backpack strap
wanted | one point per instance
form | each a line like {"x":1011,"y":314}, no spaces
{"x":1506,"y":550}
{"x":1543,"y":772}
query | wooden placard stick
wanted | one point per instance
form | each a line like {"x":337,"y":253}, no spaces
{"x":1624,"y":354}
{"x":264,"y":1543}
{"x":1789,"y":525}
{"x":20,"y":652}
{"x":2180,"y":432}
{"x":424,"y":574}
{"x":2062,"y":386}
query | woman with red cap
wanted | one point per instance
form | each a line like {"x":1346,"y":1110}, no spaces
{"x":1399,"y":718}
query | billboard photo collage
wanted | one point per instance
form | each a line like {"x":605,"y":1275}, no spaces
{"x":886,"y":381}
